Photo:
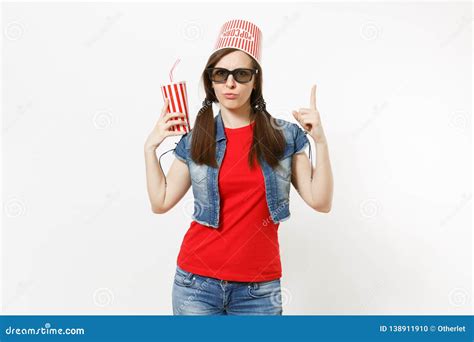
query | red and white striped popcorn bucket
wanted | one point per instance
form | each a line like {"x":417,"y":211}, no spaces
{"x":242,"y":35}
{"x":178,"y":102}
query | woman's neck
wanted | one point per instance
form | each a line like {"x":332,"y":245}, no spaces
{"x":235,"y":118}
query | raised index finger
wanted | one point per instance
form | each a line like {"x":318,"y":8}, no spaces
{"x":312,"y":101}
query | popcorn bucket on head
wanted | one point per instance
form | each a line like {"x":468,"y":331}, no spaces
{"x":178,"y":102}
{"x":242,"y":35}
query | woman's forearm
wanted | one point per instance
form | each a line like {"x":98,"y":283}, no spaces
{"x":155,"y":180}
{"x":322,"y":183}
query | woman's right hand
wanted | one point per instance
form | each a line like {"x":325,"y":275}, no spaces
{"x":162,"y":128}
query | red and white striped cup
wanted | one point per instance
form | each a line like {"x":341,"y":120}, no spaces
{"x":178,"y":97}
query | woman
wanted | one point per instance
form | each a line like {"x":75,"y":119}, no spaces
{"x":240,"y":165}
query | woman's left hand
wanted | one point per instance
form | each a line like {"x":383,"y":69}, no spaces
{"x":310,"y":120}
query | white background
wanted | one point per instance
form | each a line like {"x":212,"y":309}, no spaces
{"x":81,"y":94}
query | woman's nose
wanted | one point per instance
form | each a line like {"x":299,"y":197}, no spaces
{"x":230,"y":81}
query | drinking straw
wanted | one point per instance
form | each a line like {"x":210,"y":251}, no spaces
{"x":171,"y":71}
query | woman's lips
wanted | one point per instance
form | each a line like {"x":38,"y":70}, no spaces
{"x":230,"y":97}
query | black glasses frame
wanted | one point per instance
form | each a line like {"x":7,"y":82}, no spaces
{"x":233,"y":73}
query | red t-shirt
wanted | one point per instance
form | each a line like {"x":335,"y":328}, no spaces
{"x":245,"y":246}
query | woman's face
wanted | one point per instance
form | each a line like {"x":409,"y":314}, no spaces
{"x":231,"y":61}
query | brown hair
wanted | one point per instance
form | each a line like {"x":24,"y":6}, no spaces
{"x":268,"y":141}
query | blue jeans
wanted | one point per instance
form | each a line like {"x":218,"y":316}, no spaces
{"x":198,"y":295}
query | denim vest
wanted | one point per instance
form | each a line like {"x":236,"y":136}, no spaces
{"x":204,"y":178}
